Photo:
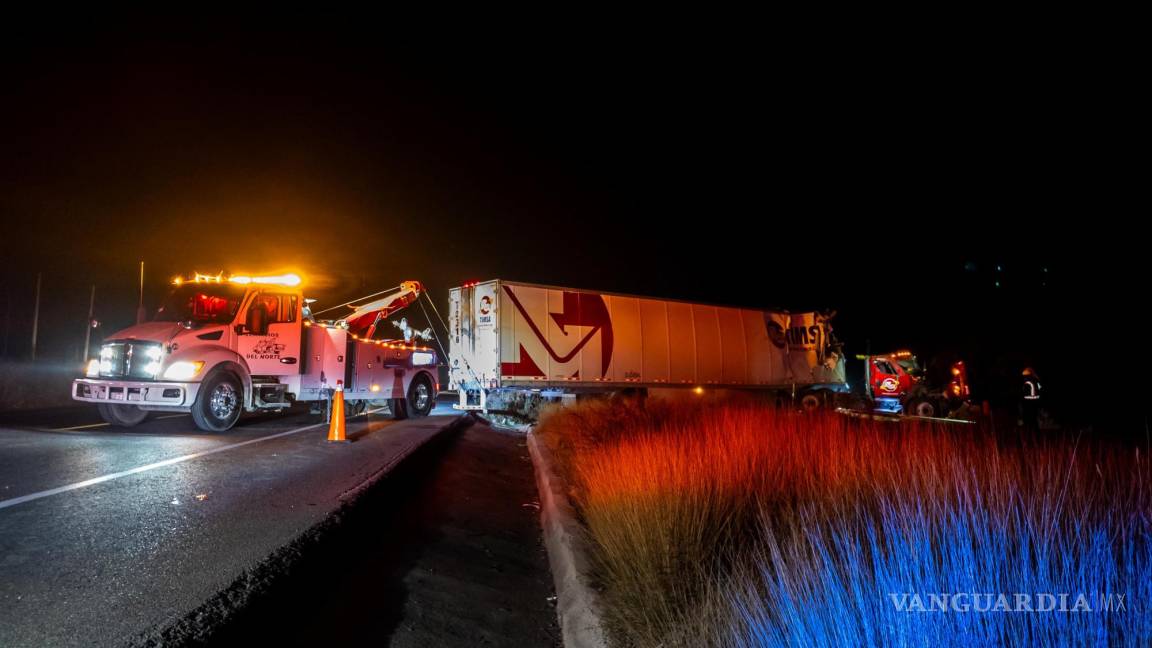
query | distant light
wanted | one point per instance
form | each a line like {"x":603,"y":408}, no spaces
{"x":699,"y":390}
{"x":375,"y":388}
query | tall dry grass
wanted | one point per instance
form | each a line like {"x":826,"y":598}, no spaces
{"x":744,"y":525}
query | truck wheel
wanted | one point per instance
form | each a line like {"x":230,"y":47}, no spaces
{"x":811,"y":402}
{"x":420,"y":400}
{"x":922,"y":407}
{"x":218,"y":405}
{"x":121,"y":415}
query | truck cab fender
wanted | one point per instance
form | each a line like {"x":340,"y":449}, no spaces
{"x":234,"y":364}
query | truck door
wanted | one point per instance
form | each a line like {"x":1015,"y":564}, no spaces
{"x":275,"y":351}
{"x":886,"y":379}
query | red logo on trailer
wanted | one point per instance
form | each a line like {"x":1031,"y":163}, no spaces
{"x":580,"y":309}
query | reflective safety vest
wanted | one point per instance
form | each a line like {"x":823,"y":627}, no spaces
{"x":1031,"y":390}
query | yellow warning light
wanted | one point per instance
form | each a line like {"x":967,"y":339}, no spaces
{"x":375,"y":388}
{"x":276,"y":280}
{"x":699,"y":390}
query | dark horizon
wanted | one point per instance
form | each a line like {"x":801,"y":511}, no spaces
{"x":716,"y":172}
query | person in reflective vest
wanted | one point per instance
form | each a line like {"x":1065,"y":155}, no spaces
{"x":1030,"y":400}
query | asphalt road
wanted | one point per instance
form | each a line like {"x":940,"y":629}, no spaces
{"x":107,"y":535}
{"x":445,"y":551}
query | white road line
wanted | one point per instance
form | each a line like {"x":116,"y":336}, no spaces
{"x":96,"y":425}
{"x":152,"y":466}
{"x":78,"y":427}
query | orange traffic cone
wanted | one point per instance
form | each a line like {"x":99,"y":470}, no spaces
{"x":336,"y":423}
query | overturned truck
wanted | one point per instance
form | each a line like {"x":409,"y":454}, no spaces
{"x":515,"y":346}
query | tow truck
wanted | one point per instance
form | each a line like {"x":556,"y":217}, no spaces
{"x":895,"y":383}
{"x":218,"y":346}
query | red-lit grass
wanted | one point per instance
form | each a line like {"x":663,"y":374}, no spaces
{"x":748,"y":525}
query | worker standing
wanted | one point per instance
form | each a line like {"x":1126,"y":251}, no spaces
{"x":1030,"y":400}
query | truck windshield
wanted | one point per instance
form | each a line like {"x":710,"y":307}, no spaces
{"x":197,"y":302}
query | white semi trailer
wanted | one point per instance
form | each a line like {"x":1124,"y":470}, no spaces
{"x":514,"y":346}
{"x":218,"y":346}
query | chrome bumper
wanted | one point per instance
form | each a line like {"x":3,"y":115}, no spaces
{"x":167,"y":394}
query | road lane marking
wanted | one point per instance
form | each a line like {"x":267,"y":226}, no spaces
{"x":78,"y":427}
{"x":159,"y":464}
{"x":96,"y":425}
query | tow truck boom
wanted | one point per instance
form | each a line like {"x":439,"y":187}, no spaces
{"x":366,"y":317}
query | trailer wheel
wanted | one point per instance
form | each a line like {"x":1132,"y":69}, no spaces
{"x":121,"y":415}
{"x":811,"y":402}
{"x":420,"y":400}
{"x":218,"y":405}
{"x":922,"y":407}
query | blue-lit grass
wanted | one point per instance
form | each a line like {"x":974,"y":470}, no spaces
{"x":747,"y":526}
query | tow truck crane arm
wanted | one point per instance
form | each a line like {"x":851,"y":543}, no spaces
{"x":366,"y":317}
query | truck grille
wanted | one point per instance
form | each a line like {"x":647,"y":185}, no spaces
{"x":125,"y":360}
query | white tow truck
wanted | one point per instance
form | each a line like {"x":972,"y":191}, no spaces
{"x":220,"y":345}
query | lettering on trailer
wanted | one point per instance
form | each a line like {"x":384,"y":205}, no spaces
{"x":801,"y":337}
{"x":579,"y":309}
{"x":268,"y":348}
{"x":791,"y":331}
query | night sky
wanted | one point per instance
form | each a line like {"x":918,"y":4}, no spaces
{"x":713,"y":165}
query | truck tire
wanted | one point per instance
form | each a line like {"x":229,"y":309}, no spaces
{"x":922,"y":407}
{"x":811,"y":402}
{"x":121,"y":415}
{"x":218,"y":405}
{"x":420,"y":399}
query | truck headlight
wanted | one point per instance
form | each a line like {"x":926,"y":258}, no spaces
{"x":183,"y":370}
{"x":93,"y":368}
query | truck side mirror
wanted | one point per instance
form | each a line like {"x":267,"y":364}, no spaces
{"x":257,"y":321}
